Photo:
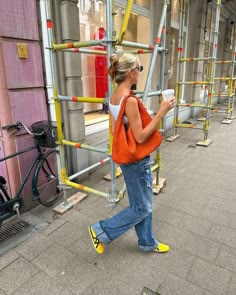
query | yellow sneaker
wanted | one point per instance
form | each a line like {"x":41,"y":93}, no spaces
{"x":98,"y":246}
{"x":162,"y":248}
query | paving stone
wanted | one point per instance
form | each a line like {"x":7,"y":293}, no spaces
{"x":45,"y":213}
{"x":37,"y":223}
{"x":79,"y":275}
{"x":176,"y":261}
{"x":226,"y":258}
{"x":209,"y":276}
{"x":8,"y":258}
{"x":174,"y":285}
{"x":233,"y":221}
{"x":54,"y":259}
{"x":53,"y":226}
{"x":208,"y":293}
{"x":213,"y":215}
{"x":200,"y":246}
{"x":16,"y":274}
{"x":41,"y":284}
{"x":195,"y":224}
{"x":168,"y":214}
{"x":65,"y":235}
{"x":224,"y":235}
{"x":166,"y":233}
{"x":75,"y":216}
{"x":232,"y":288}
{"x":34,"y":246}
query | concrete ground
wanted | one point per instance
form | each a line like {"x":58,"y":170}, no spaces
{"x":195,"y":214}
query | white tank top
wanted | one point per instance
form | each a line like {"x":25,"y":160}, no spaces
{"x":114,"y":109}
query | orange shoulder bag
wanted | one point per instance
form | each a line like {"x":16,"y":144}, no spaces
{"x":125,"y":149}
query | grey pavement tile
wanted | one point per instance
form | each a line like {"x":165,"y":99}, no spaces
{"x":129,"y":240}
{"x":209,"y":276}
{"x":214,"y":215}
{"x":39,"y":284}
{"x":169,"y":234}
{"x":232,"y":287}
{"x":53,"y":226}
{"x":174,"y":285}
{"x":75,"y":215}
{"x":195,"y":224}
{"x":16,"y":274}
{"x":200,"y":246}
{"x":65,"y":235}
{"x":45,"y":213}
{"x":208,"y":293}
{"x":84,"y":247}
{"x":112,"y":286}
{"x":8,"y":258}
{"x":224,"y":235}
{"x":34,"y":246}
{"x":36,"y":222}
{"x":233,"y":221}
{"x":176,"y":261}
{"x":188,"y":206}
{"x":226,"y":258}
{"x":223,"y":204}
{"x":80,"y":274}
{"x":130,"y":267}
{"x":54,"y":259}
{"x":168,"y":214}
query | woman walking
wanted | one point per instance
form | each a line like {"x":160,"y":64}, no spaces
{"x":124,"y":70}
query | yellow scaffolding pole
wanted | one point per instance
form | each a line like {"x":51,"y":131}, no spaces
{"x":125,"y":21}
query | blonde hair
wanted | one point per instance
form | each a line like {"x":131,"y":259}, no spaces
{"x":120,"y":66}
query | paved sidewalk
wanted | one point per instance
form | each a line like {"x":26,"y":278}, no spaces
{"x":196,"y":215}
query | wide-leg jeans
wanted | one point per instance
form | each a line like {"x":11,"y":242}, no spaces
{"x":138,"y":179}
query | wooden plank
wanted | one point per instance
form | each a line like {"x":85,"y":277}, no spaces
{"x":71,"y":201}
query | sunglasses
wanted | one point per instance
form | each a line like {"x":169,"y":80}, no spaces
{"x":140,"y":68}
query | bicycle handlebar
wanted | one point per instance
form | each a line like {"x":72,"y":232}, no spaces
{"x":18,"y":125}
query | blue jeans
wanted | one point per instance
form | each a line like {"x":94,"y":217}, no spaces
{"x":138,"y":179}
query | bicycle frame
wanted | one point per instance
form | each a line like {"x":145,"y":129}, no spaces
{"x":36,"y":159}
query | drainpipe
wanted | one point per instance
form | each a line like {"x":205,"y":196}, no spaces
{"x":48,"y":68}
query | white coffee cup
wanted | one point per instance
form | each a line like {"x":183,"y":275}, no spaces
{"x":167,"y":94}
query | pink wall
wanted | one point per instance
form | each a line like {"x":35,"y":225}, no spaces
{"x":22,"y":73}
{"x":22,"y":93}
{"x":19,"y":19}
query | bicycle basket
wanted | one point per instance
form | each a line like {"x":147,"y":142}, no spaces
{"x":45,"y":133}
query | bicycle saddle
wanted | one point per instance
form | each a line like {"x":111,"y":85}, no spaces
{"x":2,"y":180}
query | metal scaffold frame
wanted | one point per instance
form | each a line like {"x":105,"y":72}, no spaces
{"x":209,"y":81}
{"x":110,"y":42}
{"x":230,"y":79}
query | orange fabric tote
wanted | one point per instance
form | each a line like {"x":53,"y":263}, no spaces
{"x":125,"y":149}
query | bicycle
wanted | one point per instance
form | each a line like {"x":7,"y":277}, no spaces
{"x":45,"y":181}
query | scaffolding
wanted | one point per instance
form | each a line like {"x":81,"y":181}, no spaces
{"x":207,"y":83}
{"x":110,"y":42}
{"x":230,"y":84}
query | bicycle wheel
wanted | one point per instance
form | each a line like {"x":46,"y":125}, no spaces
{"x":46,"y":180}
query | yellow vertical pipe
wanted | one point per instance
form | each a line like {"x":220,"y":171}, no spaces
{"x":125,"y":20}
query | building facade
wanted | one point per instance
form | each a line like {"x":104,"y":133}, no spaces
{"x":26,"y":88}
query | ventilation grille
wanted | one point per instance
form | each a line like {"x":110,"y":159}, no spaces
{"x":11,"y":229}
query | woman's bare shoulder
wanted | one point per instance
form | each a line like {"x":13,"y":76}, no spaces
{"x":132,"y":100}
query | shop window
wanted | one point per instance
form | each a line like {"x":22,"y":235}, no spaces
{"x":143,"y":3}
{"x":94,"y":67}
